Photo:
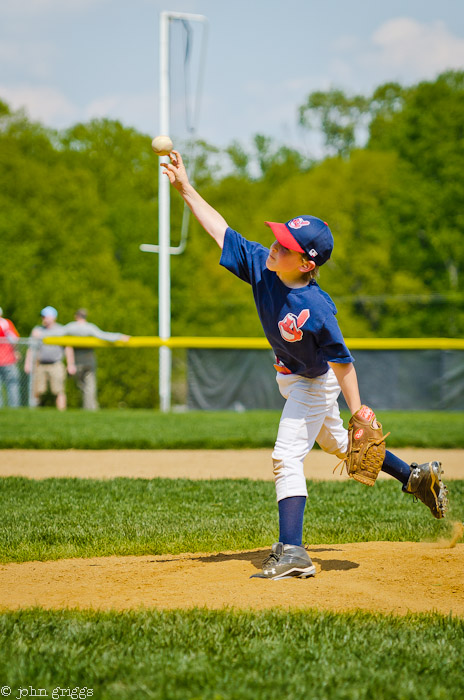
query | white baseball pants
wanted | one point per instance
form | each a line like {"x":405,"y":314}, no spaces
{"x":311,"y":414}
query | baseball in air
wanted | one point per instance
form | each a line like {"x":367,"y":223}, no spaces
{"x":162,"y":145}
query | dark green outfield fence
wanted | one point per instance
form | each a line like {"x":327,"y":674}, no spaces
{"x":389,"y":379}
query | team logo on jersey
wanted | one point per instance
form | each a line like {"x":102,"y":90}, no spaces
{"x":290,"y":326}
{"x":298,"y":223}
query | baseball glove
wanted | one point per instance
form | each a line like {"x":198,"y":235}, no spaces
{"x":366,"y":446}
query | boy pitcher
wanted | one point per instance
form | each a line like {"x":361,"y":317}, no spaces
{"x":313,"y":365}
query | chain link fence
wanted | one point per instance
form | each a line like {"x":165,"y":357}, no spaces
{"x":17,"y":386}
{"x":127,"y":377}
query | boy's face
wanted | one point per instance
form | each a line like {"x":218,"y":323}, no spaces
{"x":284,"y":260}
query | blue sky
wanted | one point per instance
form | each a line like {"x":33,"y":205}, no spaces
{"x":70,"y":60}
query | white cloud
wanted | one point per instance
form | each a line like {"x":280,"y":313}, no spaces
{"x":42,"y":103}
{"x":420,"y":49}
{"x":401,"y":49}
{"x":48,"y":105}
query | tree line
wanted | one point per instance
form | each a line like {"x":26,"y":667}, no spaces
{"x":75,"y":205}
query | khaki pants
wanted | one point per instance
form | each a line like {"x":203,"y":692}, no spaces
{"x":86,"y":381}
{"x":53,"y":375}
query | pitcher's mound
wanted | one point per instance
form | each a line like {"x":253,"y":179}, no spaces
{"x":389,"y":577}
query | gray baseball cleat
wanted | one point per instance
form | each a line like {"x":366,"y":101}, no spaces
{"x":286,"y":561}
{"x":425,"y":484}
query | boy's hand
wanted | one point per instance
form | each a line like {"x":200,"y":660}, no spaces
{"x":209,"y":218}
{"x":176,"y":172}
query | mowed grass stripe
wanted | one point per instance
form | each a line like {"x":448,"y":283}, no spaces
{"x":143,"y":429}
{"x":61,"y":518}
{"x":224,"y":655}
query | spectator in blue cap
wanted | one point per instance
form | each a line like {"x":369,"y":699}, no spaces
{"x":50,"y":370}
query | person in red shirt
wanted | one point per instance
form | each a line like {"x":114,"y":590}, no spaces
{"x":9,"y":373}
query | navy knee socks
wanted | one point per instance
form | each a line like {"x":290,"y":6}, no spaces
{"x":396,"y":467}
{"x":291,"y":511}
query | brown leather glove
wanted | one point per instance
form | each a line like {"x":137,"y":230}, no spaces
{"x":366,"y":446}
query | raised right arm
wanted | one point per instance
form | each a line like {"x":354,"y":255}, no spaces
{"x":209,"y":218}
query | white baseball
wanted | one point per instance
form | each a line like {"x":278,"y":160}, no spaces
{"x":162,"y":145}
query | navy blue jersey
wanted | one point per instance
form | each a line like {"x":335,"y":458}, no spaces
{"x":299,"y":324}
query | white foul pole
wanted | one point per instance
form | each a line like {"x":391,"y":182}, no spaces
{"x":164,"y":225}
{"x":164,"y":209}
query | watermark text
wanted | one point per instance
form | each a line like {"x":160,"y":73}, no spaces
{"x":56,"y":694}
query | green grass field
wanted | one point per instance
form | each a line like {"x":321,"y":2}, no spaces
{"x":236,"y":656}
{"x":201,"y":654}
{"x":141,"y":429}
{"x":57,"y":518}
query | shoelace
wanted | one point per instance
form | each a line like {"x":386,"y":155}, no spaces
{"x":271,"y":559}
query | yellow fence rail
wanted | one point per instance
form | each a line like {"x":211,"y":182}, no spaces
{"x":149,"y":341}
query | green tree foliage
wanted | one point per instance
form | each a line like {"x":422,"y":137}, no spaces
{"x":126,"y":182}
{"x":75,"y":206}
{"x":58,"y":248}
{"x":424,"y":124}
{"x":239,"y":157}
{"x":267,"y":159}
{"x":337,"y":115}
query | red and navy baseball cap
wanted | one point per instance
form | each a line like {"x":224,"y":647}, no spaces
{"x":306,"y":234}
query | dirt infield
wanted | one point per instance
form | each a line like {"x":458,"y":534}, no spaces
{"x":190,"y":464}
{"x":388,"y":577}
